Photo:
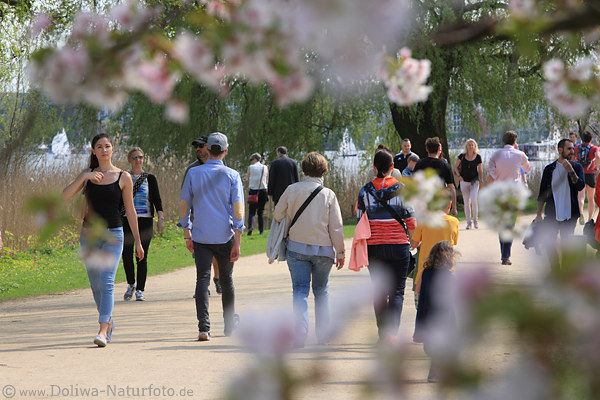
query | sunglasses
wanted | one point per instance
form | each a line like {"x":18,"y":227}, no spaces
{"x":199,"y":145}
{"x":137,"y":158}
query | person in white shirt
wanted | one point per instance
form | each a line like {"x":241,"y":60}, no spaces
{"x":505,"y":165}
{"x":257,"y":177}
{"x":560,"y":184}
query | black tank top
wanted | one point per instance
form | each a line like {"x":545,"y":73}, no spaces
{"x":104,"y":201}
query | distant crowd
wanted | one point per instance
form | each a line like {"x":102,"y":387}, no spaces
{"x":307,"y":230}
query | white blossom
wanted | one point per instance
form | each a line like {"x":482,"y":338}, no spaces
{"x":500,"y":204}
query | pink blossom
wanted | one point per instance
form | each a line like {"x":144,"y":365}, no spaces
{"x":582,"y":70}
{"x":218,"y":8}
{"x":41,"y":22}
{"x":124,"y":14}
{"x":554,"y":70}
{"x":522,"y":8}
{"x":177,"y":111}
{"x":405,"y":52}
{"x":155,"y":80}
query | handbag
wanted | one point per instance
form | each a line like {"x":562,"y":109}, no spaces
{"x":253,"y":198}
{"x":590,"y":234}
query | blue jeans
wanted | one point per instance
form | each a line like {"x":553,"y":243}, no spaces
{"x":101,"y":259}
{"x":389,"y":263}
{"x":301,"y":268}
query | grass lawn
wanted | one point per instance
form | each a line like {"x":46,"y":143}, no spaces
{"x":55,"y":268}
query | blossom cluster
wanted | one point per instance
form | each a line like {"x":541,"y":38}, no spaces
{"x":424,"y":192}
{"x":100,"y":63}
{"x":279,"y":43}
{"x":404,"y":78}
{"x":572,"y":90}
{"x":500,"y":204}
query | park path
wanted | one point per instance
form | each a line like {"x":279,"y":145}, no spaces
{"x":46,"y":342}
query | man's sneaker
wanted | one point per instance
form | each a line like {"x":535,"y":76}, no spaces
{"x":139,"y":295}
{"x":218,"y":285}
{"x":129,"y":292}
{"x":204,"y":336}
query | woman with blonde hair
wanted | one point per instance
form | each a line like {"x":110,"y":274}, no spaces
{"x":469,"y":169}
{"x":146,"y":198}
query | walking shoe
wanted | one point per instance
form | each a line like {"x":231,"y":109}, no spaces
{"x":139,"y":295}
{"x":581,"y":220}
{"x":476,"y":225}
{"x":100,"y":341}
{"x":506,"y":262}
{"x":204,"y":336}
{"x":129,"y":292}
{"x":249,"y":233}
{"x":218,"y":285}
{"x":468,"y":225}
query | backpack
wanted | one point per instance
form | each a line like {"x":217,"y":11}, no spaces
{"x":584,"y":151}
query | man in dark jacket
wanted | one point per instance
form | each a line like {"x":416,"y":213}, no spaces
{"x":282,"y":173}
{"x":561,"y":181}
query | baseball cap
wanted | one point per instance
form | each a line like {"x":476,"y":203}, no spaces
{"x":217,"y":139}
{"x":201,"y":140}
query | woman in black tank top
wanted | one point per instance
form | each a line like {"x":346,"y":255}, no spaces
{"x":105,"y":187}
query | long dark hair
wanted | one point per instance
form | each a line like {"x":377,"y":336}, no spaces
{"x":382,"y":162}
{"x":93,"y":159}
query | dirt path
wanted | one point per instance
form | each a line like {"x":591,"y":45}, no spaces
{"x":46,"y":342}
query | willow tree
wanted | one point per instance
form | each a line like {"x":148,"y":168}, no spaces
{"x":476,"y":62}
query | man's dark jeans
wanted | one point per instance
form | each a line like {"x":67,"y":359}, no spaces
{"x":203,"y":255}
{"x":505,"y":249}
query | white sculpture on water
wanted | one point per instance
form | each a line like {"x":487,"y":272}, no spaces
{"x":60,"y":144}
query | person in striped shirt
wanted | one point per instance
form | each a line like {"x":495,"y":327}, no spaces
{"x":392,"y":224}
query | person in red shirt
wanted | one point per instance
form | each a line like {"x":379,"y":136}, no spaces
{"x":589,"y":157}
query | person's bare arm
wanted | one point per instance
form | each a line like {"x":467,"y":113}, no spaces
{"x":75,"y":187}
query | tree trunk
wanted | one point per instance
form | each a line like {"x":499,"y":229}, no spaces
{"x":424,"y":120}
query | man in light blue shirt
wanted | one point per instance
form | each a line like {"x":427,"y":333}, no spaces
{"x":217,"y":191}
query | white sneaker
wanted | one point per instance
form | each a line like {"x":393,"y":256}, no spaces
{"x":468,"y":225}
{"x":475,"y":225}
{"x":139,"y":295}
{"x":100,"y":341}
{"x":204,"y":336}
{"x":129,"y":292}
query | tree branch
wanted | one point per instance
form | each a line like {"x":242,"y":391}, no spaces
{"x":576,"y":20}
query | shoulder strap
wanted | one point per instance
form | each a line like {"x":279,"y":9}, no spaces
{"x":305,"y":204}
{"x":389,"y":208}
{"x":139,"y":181}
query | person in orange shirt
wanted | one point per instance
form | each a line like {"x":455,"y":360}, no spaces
{"x":427,"y":237}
